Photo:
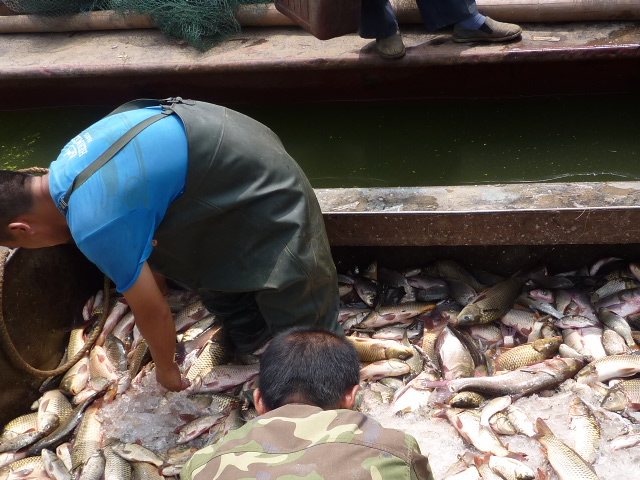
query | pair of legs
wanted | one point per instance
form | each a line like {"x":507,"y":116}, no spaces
{"x":250,"y":319}
{"x":379,"y":21}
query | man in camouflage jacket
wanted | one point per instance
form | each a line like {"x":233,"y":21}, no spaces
{"x":306,"y":429}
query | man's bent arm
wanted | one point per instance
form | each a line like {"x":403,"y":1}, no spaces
{"x":155,"y":322}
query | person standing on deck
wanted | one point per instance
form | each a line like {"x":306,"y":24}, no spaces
{"x":379,"y":21}
{"x":193,"y":192}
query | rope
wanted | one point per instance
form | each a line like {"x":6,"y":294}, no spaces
{"x":14,"y":355}
{"x":33,"y":170}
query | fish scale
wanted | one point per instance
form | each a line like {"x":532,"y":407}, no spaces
{"x":146,"y":471}
{"x":371,"y":350}
{"x":564,"y":460}
{"x":586,"y":430}
{"x":211,"y":355}
{"x":467,"y":423}
{"x":20,"y":424}
{"x":55,"y":402}
{"x":528,"y":353}
{"x":33,"y":465}
{"x":88,"y":438}
{"x":491,"y":303}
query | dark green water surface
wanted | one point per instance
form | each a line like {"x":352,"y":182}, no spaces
{"x":437,"y":143}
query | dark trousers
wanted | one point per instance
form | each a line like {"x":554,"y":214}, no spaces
{"x":378,"y":20}
{"x":251,"y":318}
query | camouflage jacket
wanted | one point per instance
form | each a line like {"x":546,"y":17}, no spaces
{"x":302,"y":441}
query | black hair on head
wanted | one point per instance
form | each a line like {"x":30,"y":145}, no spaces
{"x":308,"y":365}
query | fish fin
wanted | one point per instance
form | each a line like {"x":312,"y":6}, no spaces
{"x":439,"y":413}
{"x":405,"y":339}
{"x":542,"y":428}
{"x":187,"y":417}
{"x":477,"y":298}
{"x":543,"y":474}
{"x":483,"y":460}
{"x":518,"y":456}
{"x":627,"y":371}
{"x":521,"y":456}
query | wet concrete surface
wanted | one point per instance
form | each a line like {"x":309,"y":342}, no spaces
{"x":272,"y":65}
{"x":515,"y":214}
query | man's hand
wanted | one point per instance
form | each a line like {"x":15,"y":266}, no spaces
{"x":171,"y":379}
{"x":155,"y":322}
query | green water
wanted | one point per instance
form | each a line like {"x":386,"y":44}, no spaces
{"x":434,"y":143}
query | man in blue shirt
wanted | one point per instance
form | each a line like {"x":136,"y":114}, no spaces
{"x":202,"y":195}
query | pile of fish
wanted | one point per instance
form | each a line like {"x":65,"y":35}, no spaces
{"x":526,"y":377}
{"x":481,"y":353}
{"x":107,"y":417}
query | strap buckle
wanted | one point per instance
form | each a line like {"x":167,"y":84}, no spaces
{"x":63,"y":205}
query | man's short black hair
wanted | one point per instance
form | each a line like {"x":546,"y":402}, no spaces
{"x":15,"y":199}
{"x":308,"y":365}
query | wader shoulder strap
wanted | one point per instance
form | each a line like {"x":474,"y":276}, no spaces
{"x":107,"y":155}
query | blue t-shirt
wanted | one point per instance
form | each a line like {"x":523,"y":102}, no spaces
{"x":114,"y":214}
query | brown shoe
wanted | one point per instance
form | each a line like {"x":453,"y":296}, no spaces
{"x":490,"y":31}
{"x":390,"y":47}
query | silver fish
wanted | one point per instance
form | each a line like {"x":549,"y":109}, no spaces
{"x":537,"y":304}
{"x":511,"y":469}
{"x":467,"y":423}
{"x":136,"y":453}
{"x":618,"y":324}
{"x":384,"y":368}
{"x":606,"y":368}
{"x":453,"y":356}
{"x":520,"y":421}
{"x":399,"y":313}
{"x":526,"y":380}
{"x":197,"y":427}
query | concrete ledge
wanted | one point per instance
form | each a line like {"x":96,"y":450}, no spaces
{"x":285,"y":64}
{"x":516,"y":214}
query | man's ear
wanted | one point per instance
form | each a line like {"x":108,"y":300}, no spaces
{"x":258,"y":401}
{"x":349,"y":398}
{"x":20,"y":227}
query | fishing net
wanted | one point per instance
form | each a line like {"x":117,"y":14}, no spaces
{"x":202,"y":23}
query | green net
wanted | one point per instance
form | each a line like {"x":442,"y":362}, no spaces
{"x":202,"y":23}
